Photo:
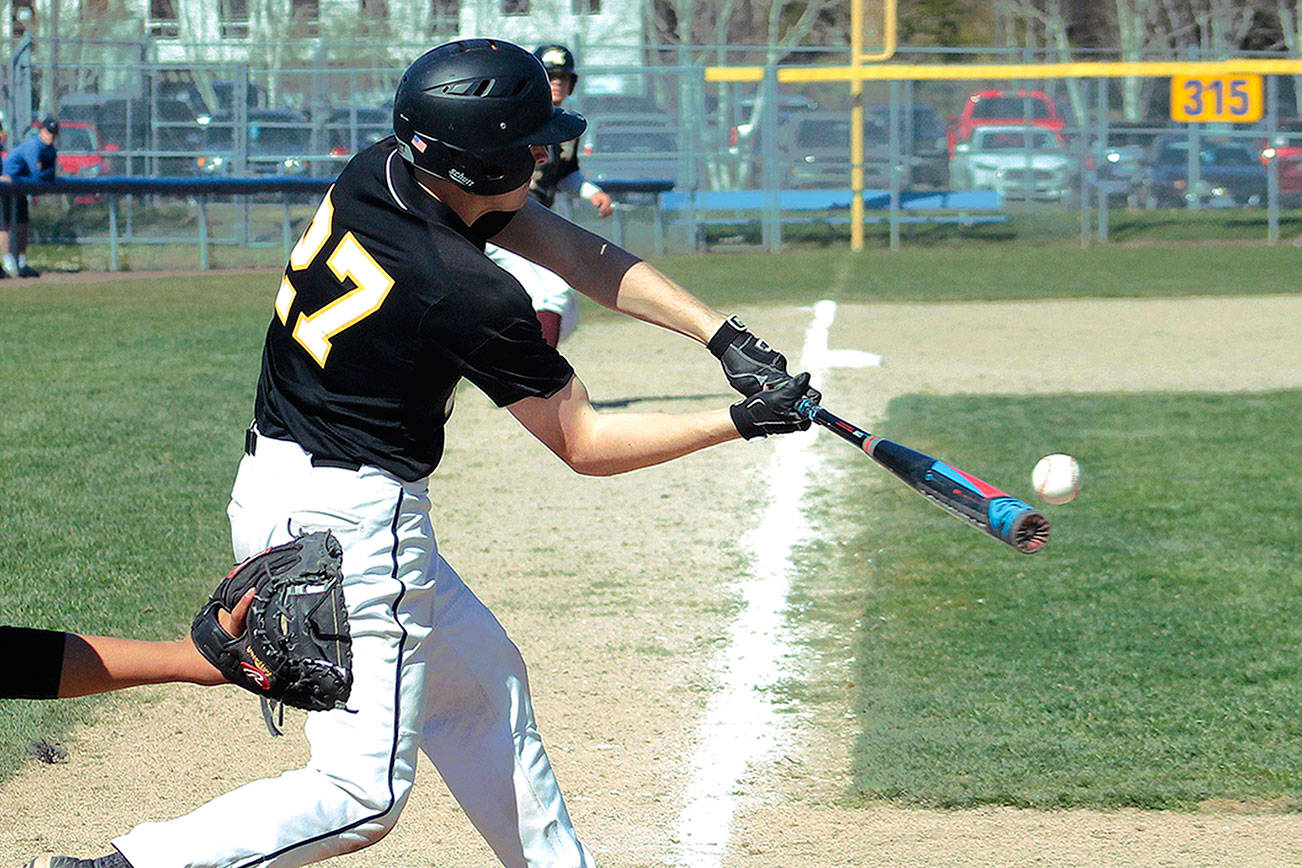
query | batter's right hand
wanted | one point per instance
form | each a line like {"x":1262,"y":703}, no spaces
{"x":772,"y":410}
{"x":749,"y":364}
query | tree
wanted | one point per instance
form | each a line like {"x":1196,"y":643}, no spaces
{"x":1290,"y":24}
{"x":741,"y":32}
{"x":945,"y":23}
{"x":1049,"y":23}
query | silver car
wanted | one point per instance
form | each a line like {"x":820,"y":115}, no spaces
{"x":1019,"y":161}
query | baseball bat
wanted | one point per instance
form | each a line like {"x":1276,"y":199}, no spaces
{"x":961,"y":494}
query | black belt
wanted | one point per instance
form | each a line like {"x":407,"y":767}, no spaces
{"x":251,"y":448}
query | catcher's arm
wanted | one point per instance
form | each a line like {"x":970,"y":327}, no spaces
{"x":296,"y":647}
{"x":99,"y":664}
{"x":62,"y":665}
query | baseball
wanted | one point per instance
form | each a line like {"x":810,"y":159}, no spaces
{"x":1056,"y":478}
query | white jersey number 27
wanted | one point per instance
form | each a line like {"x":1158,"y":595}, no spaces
{"x":349,"y":260}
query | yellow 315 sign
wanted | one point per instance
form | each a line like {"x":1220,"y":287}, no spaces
{"x":1232,"y":98}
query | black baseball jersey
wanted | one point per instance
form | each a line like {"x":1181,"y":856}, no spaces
{"x":562,"y":161}
{"x":386,"y":302}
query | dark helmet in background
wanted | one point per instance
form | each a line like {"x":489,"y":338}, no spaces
{"x":467,"y":111}
{"x":557,"y":58}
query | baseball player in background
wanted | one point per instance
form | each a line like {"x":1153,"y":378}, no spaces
{"x":36,"y":159}
{"x":386,"y":303}
{"x":553,"y":300}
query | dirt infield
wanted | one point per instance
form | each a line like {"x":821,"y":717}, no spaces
{"x":618,"y":590}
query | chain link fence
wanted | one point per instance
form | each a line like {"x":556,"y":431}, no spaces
{"x":761,"y":161}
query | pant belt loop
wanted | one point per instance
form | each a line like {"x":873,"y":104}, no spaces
{"x":250,"y":442}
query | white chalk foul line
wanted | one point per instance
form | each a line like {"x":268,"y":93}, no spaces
{"x":741,"y":727}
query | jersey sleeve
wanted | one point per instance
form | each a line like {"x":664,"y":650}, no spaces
{"x":493,"y":339}
{"x":517,"y":363}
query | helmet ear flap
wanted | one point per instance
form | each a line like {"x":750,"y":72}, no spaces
{"x":484,"y":174}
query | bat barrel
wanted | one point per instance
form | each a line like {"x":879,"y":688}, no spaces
{"x":1029,"y":532}
{"x":961,"y":494}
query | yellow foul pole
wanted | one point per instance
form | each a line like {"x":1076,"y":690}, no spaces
{"x":856,"y":125}
{"x":857,"y":60}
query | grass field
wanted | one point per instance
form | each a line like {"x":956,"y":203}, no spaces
{"x":117,"y":446}
{"x":1147,"y":658}
{"x":1130,"y":670}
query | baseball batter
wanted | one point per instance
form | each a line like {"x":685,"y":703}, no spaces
{"x":386,"y":303}
{"x":553,"y":300}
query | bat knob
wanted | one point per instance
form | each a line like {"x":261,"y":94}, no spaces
{"x":806,"y":407}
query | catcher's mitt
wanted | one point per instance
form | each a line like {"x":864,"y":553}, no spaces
{"x":295,"y":648}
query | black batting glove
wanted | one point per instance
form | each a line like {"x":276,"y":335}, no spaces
{"x":772,"y":410}
{"x":748,"y":362}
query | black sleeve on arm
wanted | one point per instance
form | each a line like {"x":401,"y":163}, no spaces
{"x":34,"y":662}
{"x":492,"y":223}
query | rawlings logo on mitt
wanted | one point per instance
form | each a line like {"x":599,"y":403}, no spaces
{"x":295,"y":648}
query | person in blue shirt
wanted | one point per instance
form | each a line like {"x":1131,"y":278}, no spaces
{"x":33,"y":160}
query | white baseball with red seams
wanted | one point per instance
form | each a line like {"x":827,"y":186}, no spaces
{"x":1056,"y":478}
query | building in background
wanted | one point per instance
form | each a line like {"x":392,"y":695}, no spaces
{"x":605,"y":32}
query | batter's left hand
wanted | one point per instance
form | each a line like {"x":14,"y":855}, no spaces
{"x":603,"y":204}
{"x":772,"y":410}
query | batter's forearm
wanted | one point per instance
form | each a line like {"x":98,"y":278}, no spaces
{"x":620,"y":442}
{"x":615,"y":278}
{"x":646,"y":293}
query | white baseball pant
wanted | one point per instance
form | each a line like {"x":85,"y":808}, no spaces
{"x":433,"y":669}
{"x":547,"y":291}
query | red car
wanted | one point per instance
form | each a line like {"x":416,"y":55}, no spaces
{"x":1002,"y":108}
{"x":1286,"y":148}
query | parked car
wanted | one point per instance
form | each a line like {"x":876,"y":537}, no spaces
{"x":630,"y":147}
{"x":349,"y":129}
{"x":743,"y":132}
{"x":923,"y":139}
{"x":278,"y":142}
{"x":1286,"y":149}
{"x":1003,"y":108}
{"x":1123,"y":160}
{"x":130,"y":125}
{"x":1019,"y":161}
{"x":814,"y":150}
{"x":207,"y":98}
{"x":1230,"y":172}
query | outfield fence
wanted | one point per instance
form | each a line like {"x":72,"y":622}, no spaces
{"x":1076,"y":143}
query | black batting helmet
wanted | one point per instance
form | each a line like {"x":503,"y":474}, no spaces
{"x":467,"y":111}
{"x":557,"y":57}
